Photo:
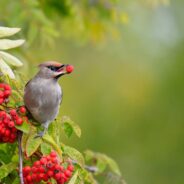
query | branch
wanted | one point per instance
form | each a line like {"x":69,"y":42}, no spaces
{"x":91,"y":169}
{"x":20,"y":157}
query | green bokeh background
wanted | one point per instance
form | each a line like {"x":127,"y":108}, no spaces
{"x":127,"y":95}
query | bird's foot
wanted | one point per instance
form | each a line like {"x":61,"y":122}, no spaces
{"x":40,"y":134}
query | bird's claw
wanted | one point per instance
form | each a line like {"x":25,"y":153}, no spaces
{"x":39,"y":135}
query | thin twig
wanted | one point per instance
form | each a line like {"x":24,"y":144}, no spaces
{"x":20,"y":157}
{"x":91,"y":169}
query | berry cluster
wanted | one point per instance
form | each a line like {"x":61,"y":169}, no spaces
{"x":8,"y":132}
{"x":47,"y":168}
{"x":9,"y":118}
{"x":5,"y":92}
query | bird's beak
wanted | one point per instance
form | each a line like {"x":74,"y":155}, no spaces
{"x":61,"y":71}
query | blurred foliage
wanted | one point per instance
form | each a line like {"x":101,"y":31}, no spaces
{"x":86,"y":20}
{"x":79,"y":20}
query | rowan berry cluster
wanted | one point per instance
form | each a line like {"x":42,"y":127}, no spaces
{"x":5,"y":92}
{"x":9,"y":118}
{"x":8,"y":131}
{"x":47,"y":168}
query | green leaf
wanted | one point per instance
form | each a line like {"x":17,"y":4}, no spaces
{"x":32,"y":144}
{"x":69,"y":127}
{"x":9,"y":44}
{"x":86,"y":176}
{"x":25,"y":127}
{"x":45,"y":148}
{"x":7,"y":169}
{"x":5,"y":69}
{"x":74,"y":155}
{"x":102,"y":162}
{"x":48,"y":139}
{"x":16,"y":181}
{"x":74,"y":178}
{"x":6,"y":31}
{"x":112,"y":165}
{"x":12,"y":60}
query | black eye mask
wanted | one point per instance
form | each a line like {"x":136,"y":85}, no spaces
{"x":54,"y":68}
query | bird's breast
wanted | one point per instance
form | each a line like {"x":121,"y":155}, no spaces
{"x":43,"y":98}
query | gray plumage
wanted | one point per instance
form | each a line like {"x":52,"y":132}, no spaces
{"x":43,"y":94}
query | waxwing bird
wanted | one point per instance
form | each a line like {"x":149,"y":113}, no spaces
{"x":43,"y":94}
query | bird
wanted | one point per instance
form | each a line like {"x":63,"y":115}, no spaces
{"x":43,"y":94}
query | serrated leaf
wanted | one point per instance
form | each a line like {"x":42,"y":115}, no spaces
{"x":6,"y":31}
{"x":25,"y":127}
{"x":5,"y":69}
{"x":69,"y":127}
{"x":7,"y":169}
{"x":74,"y":155}
{"x":89,"y":155}
{"x":32,"y":144}
{"x":48,"y":139}
{"x":112,"y":165}
{"x":45,"y":148}
{"x":16,"y":181}
{"x":101,"y":165}
{"x":10,"y":59}
{"x":74,"y":178}
{"x":103,"y":161}
{"x":9,"y":44}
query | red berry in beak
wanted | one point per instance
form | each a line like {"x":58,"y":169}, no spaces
{"x":69,"y":68}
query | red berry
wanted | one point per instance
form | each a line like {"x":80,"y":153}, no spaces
{"x":34,"y":177}
{"x":26,"y":170}
{"x":41,"y":176}
{"x":43,"y":161}
{"x":69,"y":68}
{"x":11,"y":124}
{"x":37,"y":164}
{"x":19,"y":121}
{"x":29,"y":178}
{"x":13,"y":112}
{"x":34,"y":169}
{"x":1,"y":100}
{"x":7,"y":133}
{"x":2,"y":85}
{"x":53,"y":154}
{"x":54,"y":160}
{"x":2,"y":131}
{"x":1,"y":94}
{"x":13,"y":136}
{"x":14,"y":130}
{"x":2,"y":114}
{"x":41,"y":169}
{"x":22,"y":110}
{"x":58,"y":167}
{"x":7,"y":87}
{"x":50,"y":173}
{"x":57,"y":176}
{"x":45,"y":177}
{"x":70,"y":168}
{"x":67,"y":173}
{"x":7,"y":93}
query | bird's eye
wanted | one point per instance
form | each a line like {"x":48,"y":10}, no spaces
{"x":53,"y":68}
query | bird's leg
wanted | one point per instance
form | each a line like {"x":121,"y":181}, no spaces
{"x":41,"y":134}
